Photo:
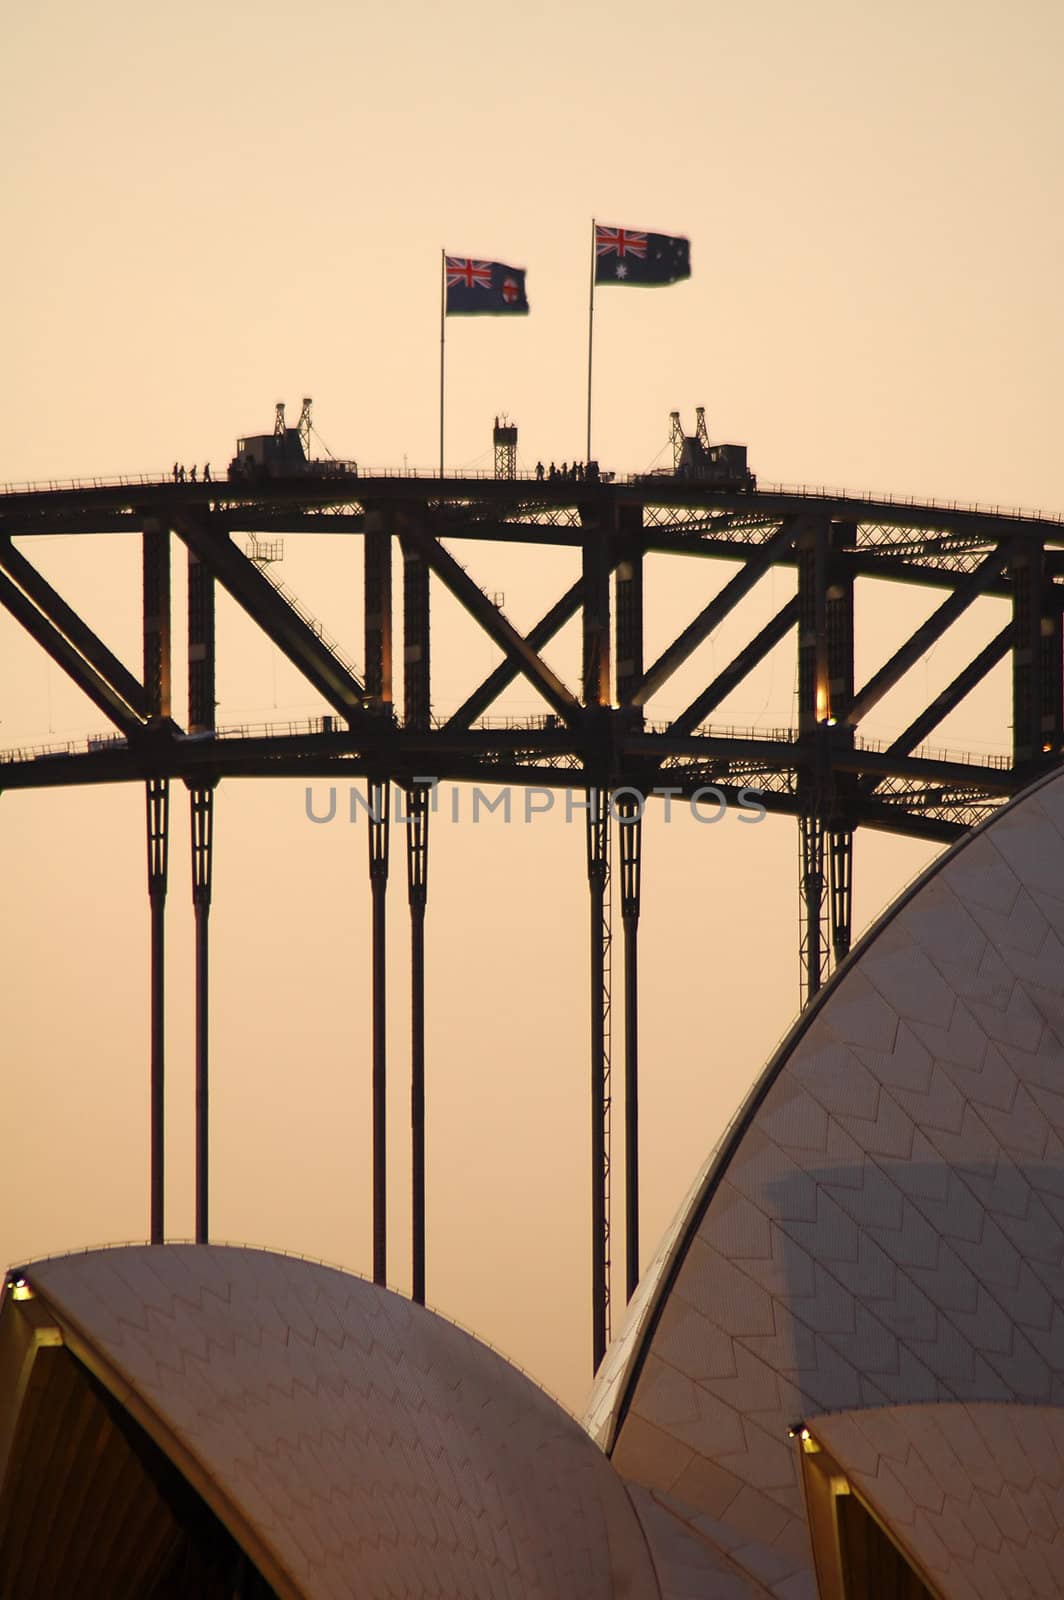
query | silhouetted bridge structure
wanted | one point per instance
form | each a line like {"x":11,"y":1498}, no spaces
{"x":597,"y":735}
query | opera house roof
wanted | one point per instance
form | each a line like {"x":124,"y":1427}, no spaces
{"x":842,"y":1375}
{"x":342,"y":1440}
{"x":876,"y":1252}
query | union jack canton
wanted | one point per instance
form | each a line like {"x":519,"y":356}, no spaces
{"x":626,"y":255}
{"x":476,"y":287}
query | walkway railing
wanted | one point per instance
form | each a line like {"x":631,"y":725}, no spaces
{"x":646,"y":481}
{"x":293,"y":602}
{"x":110,"y":743}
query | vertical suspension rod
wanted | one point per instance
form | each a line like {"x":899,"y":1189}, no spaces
{"x":630,"y":821}
{"x":378,"y":801}
{"x":598,"y":877}
{"x":202,"y":808}
{"x":417,"y":862}
{"x":811,"y":828}
{"x":840,"y":844}
{"x":158,"y":808}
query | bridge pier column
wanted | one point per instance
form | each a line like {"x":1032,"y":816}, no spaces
{"x":629,"y":611}
{"x":813,"y":711}
{"x":156,"y":634}
{"x":1037,"y":711}
{"x":825,"y":699}
{"x":596,"y":563}
{"x":838,"y":618}
{"x":201,"y":690}
{"x":417,"y":716}
{"x":378,"y":611}
{"x":377,"y":618}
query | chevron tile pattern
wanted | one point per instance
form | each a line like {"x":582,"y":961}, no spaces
{"x":688,"y":1565}
{"x":373,"y":1448}
{"x":974,"y":1492}
{"x":889,"y":1229}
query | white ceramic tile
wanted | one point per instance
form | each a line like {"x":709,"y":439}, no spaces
{"x":929,"y":1206}
{"x":356,"y":1431}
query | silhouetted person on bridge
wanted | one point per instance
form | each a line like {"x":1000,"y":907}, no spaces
{"x":175,"y":471}
{"x":180,"y":474}
{"x":192,"y":475}
{"x":206,"y":472}
{"x":539,"y":472}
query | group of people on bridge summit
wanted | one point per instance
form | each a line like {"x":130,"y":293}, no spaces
{"x":179,"y":473}
{"x":579,"y":472}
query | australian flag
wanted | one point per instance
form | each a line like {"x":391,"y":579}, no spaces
{"x":484,"y":286}
{"x":623,"y":255}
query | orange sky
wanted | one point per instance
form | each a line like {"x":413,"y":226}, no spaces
{"x":208,"y":214}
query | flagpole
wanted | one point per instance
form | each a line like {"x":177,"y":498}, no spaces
{"x":590,"y":338}
{"x":443,"y":326}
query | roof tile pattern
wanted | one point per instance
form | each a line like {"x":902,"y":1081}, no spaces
{"x":974,"y":1492}
{"x":889,"y":1227}
{"x":689,"y":1565}
{"x":374,"y":1448}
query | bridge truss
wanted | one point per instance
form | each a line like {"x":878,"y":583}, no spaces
{"x":596,"y":735}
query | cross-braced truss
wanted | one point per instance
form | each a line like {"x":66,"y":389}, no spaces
{"x":600,"y":735}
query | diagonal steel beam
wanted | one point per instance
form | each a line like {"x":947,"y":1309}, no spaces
{"x":274,"y":615}
{"x":925,"y":636}
{"x":712,"y":615}
{"x":497,"y":627}
{"x":88,"y":645}
{"x":734,"y":673}
{"x":64,"y":654}
{"x":555,"y":619}
{"x":943,"y":704}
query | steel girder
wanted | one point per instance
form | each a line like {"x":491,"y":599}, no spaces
{"x":598,"y":741}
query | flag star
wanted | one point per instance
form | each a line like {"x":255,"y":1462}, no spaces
{"x":622,"y":270}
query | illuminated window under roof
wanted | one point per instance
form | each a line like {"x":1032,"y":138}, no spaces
{"x":856,"y":1557}
{"x":89,"y":1504}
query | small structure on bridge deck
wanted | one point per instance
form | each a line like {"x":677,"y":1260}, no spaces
{"x":284,"y":453}
{"x":694,"y":458}
{"x":505,"y":440}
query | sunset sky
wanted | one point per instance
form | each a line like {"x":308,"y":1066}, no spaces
{"x":211,"y":209}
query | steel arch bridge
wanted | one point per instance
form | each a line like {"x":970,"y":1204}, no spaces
{"x":597,"y":735}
